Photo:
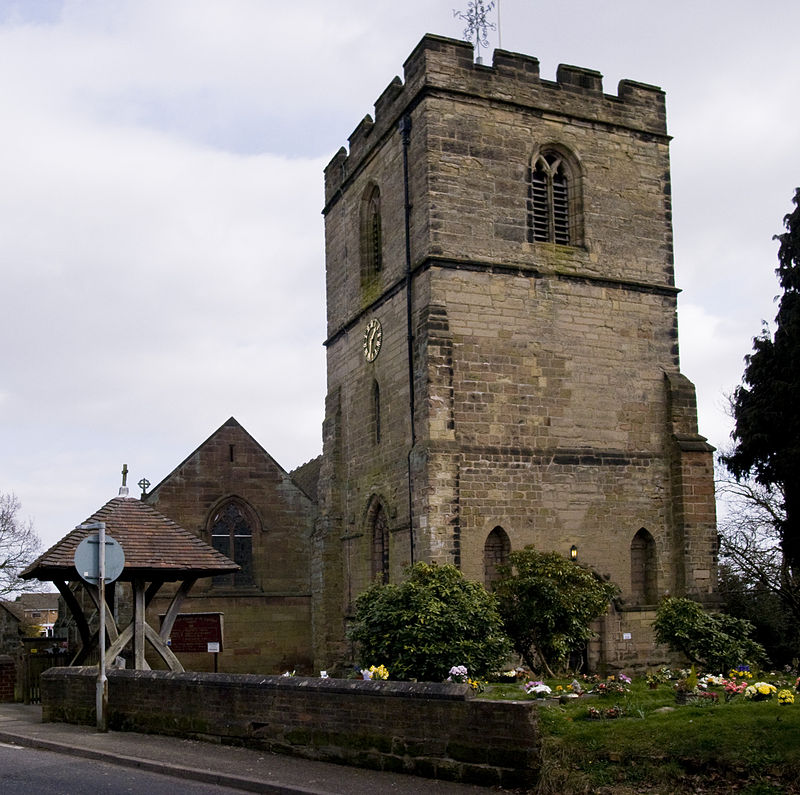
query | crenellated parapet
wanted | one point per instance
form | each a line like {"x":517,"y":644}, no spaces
{"x":446,"y":66}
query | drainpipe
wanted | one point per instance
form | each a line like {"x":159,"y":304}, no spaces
{"x":405,"y":132}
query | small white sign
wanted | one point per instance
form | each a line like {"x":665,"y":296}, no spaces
{"x":626,"y":635}
{"x":213,"y":646}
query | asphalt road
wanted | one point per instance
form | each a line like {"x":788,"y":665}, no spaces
{"x":28,"y":772}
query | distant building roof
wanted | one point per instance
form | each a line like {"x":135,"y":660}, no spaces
{"x":155,"y":547}
{"x":14,"y":608}
{"x":39,"y":601}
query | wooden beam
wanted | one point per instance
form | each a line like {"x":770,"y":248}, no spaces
{"x":80,"y":619}
{"x":111,"y":625}
{"x":121,"y":642}
{"x":151,"y":591}
{"x":161,"y":647}
{"x":138,"y":625}
{"x":175,"y":607}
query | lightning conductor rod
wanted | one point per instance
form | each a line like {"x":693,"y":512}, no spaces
{"x":499,"y":28}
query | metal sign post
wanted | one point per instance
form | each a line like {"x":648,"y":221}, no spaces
{"x":92,"y":568}
{"x":101,"y":698}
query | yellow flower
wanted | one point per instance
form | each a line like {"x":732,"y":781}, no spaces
{"x":379,"y":671}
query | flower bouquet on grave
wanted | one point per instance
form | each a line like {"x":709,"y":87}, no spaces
{"x":537,"y":689}
{"x":760,"y":691}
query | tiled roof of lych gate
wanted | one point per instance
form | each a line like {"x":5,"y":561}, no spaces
{"x":155,"y":547}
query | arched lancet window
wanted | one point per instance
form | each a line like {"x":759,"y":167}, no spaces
{"x":380,"y":545}
{"x":376,"y":412}
{"x":643,"y":568}
{"x":232,"y":535}
{"x":371,"y":232}
{"x":495,"y":553}
{"x":552,"y":205}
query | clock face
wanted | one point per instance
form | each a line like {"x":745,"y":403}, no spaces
{"x":372,"y":340}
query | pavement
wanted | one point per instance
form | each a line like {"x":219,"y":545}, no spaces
{"x":210,"y":763}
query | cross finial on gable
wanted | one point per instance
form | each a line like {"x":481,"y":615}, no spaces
{"x":123,"y":489}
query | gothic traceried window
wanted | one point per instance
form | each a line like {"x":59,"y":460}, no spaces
{"x":495,"y":553}
{"x":551,"y":204}
{"x":232,"y":535}
{"x":380,"y":545}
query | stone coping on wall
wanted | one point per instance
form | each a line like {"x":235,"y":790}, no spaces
{"x":437,"y":730}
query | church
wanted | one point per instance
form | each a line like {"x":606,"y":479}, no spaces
{"x":502,"y":370}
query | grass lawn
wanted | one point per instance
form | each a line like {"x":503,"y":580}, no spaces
{"x":741,"y":746}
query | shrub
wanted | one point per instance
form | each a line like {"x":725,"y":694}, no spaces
{"x":422,"y":627}
{"x":547,"y":603}
{"x":717,"y":642}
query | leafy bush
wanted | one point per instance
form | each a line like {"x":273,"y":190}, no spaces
{"x":432,"y":621}
{"x":760,"y":604}
{"x":547,"y":603}
{"x":718,"y":642}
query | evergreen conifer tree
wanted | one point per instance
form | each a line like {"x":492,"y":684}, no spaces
{"x":766,"y":407}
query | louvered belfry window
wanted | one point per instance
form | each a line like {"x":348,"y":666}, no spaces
{"x":549,"y":200}
{"x":371,"y":233}
{"x":375,"y":234}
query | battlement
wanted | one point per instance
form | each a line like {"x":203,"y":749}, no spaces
{"x":446,"y":66}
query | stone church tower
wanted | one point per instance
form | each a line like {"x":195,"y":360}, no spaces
{"x":502,"y":348}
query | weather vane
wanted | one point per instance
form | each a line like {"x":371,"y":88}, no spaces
{"x":478,"y":25}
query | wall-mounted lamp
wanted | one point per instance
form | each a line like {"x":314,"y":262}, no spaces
{"x":573,"y":552}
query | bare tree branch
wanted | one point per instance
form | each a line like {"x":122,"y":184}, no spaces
{"x":19,"y":545}
{"x":750,"y":538}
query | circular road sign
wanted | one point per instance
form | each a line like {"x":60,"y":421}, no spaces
{"x":87,"y":559}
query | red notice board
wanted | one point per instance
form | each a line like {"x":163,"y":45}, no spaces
{"x":196,"y":632}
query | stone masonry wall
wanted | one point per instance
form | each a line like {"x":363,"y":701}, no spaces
{"x":625,"y":642}
{"x":8,"y":678}
{"x":267,"y":625}
{"x":546,"y":384}
{"x":432,"y":730}
{"x":558,"y":404}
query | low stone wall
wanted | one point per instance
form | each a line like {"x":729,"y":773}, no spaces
{"x":432,"y":730}
{"x":8,"y":677}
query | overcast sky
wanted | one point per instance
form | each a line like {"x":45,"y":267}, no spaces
{"x":161,"y":242}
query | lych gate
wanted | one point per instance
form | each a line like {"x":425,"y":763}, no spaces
{"x":157,"y":551}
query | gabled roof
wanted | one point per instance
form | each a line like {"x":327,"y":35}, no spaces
{"x":233,"y":423}
{"x":39,"y":601}
{"x":155,"y":547}
{"x":14,"y":608}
